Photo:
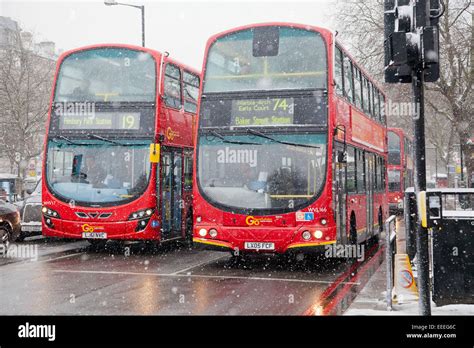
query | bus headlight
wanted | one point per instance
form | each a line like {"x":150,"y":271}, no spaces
{"x":324,"y":222}
{"x":202,"y":232}
{"x":213,"y":233}
{"x":306,"y":235}
{"x":141,"y":214}
{"x":50,"y":212}
{"x":318,"y":234}
{"x":198,"y":219}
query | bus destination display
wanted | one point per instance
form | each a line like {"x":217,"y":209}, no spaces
{"x":263,"y":112}
{"x":101,"y":120}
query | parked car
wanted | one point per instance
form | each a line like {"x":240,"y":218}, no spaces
{"x":30,"y":211}
{"x":10,"y":226}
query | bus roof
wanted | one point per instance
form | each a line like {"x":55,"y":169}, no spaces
{"x":266,"y":24}
{"x":127,"y":46}
{"x":400,"y":131}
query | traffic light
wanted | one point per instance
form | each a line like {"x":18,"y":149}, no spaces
{"x":411,"y":39}
{"x":431,"y":41}
{"x":398,"y":17}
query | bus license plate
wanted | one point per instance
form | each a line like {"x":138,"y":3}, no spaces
{"x":259,"y":246}
{"x":94,"y":235}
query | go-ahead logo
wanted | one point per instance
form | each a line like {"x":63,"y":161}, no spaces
{"x":171,"y":134}
{"x":253,"y":221}
{"x":89,"y":228}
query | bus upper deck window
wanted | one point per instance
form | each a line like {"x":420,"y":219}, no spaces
{"x":266,"y":42}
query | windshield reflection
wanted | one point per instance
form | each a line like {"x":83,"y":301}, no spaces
{"x":269,"y":175}
{"x":98,"y":172}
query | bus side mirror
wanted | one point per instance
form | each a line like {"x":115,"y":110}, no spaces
{"x":342,"y":156}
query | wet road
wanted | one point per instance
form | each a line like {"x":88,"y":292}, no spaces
{"x":73,"y":279}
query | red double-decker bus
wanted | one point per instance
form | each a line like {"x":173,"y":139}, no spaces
{"x":291,"y":143}
{"x":119,"y":146}
{"x":400,"y":168}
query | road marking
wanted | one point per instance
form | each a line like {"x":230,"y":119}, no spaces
{"x":173,"y":275}
{"x":61,"y":257}
{"x":199,"y":264}
{"x":28,"y":262}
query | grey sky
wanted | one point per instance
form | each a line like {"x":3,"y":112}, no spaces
{"x":179,"y":27}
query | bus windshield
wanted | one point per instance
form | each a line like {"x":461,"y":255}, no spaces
{"x":95,"y":172}
{"x":266,"y":58}
{"x":107,"y":74}
{"x":252,"y":172}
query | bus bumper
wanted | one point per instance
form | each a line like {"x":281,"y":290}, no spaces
{"x":121,"y":230}
{"x":288,"y":241}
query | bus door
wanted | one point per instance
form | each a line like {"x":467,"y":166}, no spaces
{"x":171,"y":193}
{"x":370,"y":182}
{"x":340,"y":193}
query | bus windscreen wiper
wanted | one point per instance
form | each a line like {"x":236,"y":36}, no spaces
{"x":69,"y":141}
{"x":94,"y":136}
{"x":261,"y":135}
{"x":224,"y":140}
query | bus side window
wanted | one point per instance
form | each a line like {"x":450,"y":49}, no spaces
{"x":366,"y":95}
{"x":351,"y":170}
{"x":172,"y":92}
{"x":191,"y":91}
{"x":360,"y":167}
{"x":376,"y":170}
{"x":376,"y":104}
{"x":348,"y":79}
{"x":358,"y":87}
{"x":379,"y":174}
{"x":382,"y":109}
{"x":384,"y":174}
{"x":372,"y":101}
{"x":188,"y":172}
{"x":338,"y":72}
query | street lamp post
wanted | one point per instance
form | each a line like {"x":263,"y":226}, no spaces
{"x":142,"y":8}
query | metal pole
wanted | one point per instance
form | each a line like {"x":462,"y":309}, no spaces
{"x":143,"y":25}
{"x":436,"y":166}
{"x":388,"y":260}
{"x":420,"y":185}
{"x":462,"y":163}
